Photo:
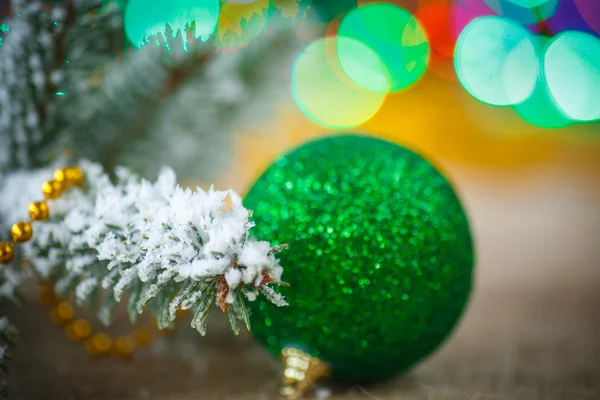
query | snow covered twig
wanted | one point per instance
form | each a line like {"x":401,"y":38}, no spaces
{"x":167,"y":247}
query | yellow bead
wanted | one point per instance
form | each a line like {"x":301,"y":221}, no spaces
{"x":52,"y":189}
{"x":65,"y":310}
{"x":60,"y":175}
{"x":69,"y":176}
{"x":21,"y":232}
{"x":38,"y":211}
{"x":74,"y":176}
{"x":98,"y":344}
{"x":79,"y":329}
{"x":124,"y":346}
{"x":62,"y":313}
{"x":7,"y":252}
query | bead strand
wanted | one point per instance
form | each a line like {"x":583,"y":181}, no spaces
{"x":22,"y":232}
{"x":62,"y":312}
{"x":79,"y":329}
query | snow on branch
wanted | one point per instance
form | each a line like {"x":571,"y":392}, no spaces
{"x":165,"y":247}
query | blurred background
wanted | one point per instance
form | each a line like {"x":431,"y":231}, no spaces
{"x":503,"y":94}
{"x":485,"y":105}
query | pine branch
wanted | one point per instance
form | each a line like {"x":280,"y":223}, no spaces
{"x":17,"y":188}
{"x":95,"y":40}
{"x":165,"y":247}
{"x":8,"y":335}
{"x":10,"y":279}
{"x":26,"y":67}
{"x":59,"y":56}
{"x":203,"y":98}
{"x":178,"y":74}
{"x":44,"y":54}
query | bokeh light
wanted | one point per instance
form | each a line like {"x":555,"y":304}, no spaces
{"x":361,"y":64}
{"x":324,"y":93}
{"x":241,"y":1}
{"x":539,"y":108}
{"x":463,"y":12}
{"x":434,"y":16}
{"x":240,"y":22}
{"x":395,"y":35}
{"x":566,"y":18}
{"x":496,"y":61}
{"x":590,"y":11}
{"x":572,"y":69}
{"x":333,"y":26}
{"x":525,"y":12}
{"x":327,"y":10}
{"x":144,"y":20}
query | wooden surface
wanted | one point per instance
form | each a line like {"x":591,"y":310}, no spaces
{"x":532,"y":330}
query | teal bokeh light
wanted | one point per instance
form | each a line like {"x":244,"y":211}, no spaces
{"x":496,"y":61}
{"x":143,"y":19}
{"x":395,"y":35}
{"x":572,"y":69}
{"x":539,"y":109}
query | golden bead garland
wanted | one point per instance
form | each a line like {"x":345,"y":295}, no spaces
{"x":62,"y":312}
{"x":38,"y":211}
{"x":80,"y":330}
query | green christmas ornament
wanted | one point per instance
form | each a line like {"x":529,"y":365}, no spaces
{"x":380,"y":259}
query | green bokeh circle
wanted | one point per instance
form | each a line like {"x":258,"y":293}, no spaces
{"x":539,"y":109}
{"x":395,"y":35}
{"x":572,"y":71}
{"x":496,"y":61}
{"x":326,"y":94}
{"x":380,"y":255}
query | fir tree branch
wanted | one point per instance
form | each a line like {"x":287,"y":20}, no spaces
{"x":60,"y":51}
{"x":178,"y":74}
{"x":8,"y":335}
{"x":35,"y":76}
{"x":25,"y":59}
{"x":10,"y":279}
{"x":165,"y":247}
{"x":201,"y":97}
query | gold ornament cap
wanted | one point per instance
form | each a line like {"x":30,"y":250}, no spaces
{"x":300,"y":372}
